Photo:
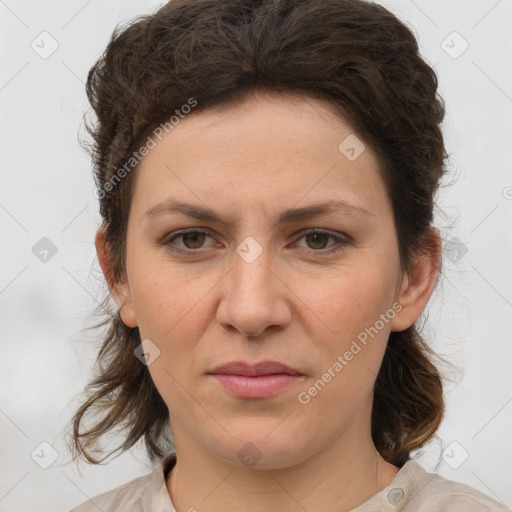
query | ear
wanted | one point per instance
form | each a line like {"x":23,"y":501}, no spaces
{"x":120,"y":290}
{"x":417,"y":286}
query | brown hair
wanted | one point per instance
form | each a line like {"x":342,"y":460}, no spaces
{"x":356,"y":55}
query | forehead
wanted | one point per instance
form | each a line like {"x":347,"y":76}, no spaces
{"x":271,"y":149}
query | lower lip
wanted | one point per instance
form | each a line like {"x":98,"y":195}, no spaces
{"x":261,"y":386}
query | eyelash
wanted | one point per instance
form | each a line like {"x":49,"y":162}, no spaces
{"x":166,"y":241}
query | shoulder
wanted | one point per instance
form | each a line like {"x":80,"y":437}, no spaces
{"x":126,"y":497}
{"x":430,"y":492}
{"x":137,"y":495}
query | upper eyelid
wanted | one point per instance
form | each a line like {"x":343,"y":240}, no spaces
{"x":301,"y":233}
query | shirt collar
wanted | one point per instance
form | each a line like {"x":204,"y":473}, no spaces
{"x":407,"y":483}
{"x":156,"y":497}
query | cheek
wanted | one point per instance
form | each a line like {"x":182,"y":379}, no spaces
{"x":166,"y":298}
{"x":352,"y":299}
{"x":348,"y":350}
{"x":355,"y":306}
{"x":172,"y":312}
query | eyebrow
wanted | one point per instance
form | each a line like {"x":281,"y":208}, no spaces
{"x":287,"y":216}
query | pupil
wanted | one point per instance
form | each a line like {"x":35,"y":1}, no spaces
{"x":194,"y":236}
{"x":315,"y":236}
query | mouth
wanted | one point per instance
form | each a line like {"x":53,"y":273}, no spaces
{"x":261,"y":380}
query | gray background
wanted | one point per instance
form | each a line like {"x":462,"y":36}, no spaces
{"x":46,"y":357}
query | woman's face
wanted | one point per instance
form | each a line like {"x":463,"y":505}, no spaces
{"x":257,"y":285}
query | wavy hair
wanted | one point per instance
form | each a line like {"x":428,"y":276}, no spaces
{"x":356,"y":55}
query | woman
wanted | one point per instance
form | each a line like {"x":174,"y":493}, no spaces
{"x":266,"y":174}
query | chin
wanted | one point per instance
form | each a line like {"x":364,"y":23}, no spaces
{"x":263,"y":447}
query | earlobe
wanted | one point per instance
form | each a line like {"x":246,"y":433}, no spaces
{"x":417,"y":286}
{"x":120,"y":290}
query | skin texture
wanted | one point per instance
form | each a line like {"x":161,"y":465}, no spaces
{"x":293,"y":304}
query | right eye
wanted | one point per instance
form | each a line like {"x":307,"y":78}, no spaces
{"x":192,"y":240}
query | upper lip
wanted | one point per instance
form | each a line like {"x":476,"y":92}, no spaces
{"x":253,"y":370}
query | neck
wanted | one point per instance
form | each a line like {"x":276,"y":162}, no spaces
{"x":339,"y":477}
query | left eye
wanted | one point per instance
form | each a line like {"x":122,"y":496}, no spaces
{"x":320,"y":237}
{"x":194,"y":239}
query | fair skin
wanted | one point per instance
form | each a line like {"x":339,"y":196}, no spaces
{"x":295,"y":303}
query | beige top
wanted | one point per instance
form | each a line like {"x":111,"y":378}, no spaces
{"x":412,"y":490}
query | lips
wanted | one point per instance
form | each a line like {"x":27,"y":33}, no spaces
{"x":255,"y":370}
{"x":250,"y":381}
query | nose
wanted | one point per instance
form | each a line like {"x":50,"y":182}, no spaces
{"x":254,"y":298}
